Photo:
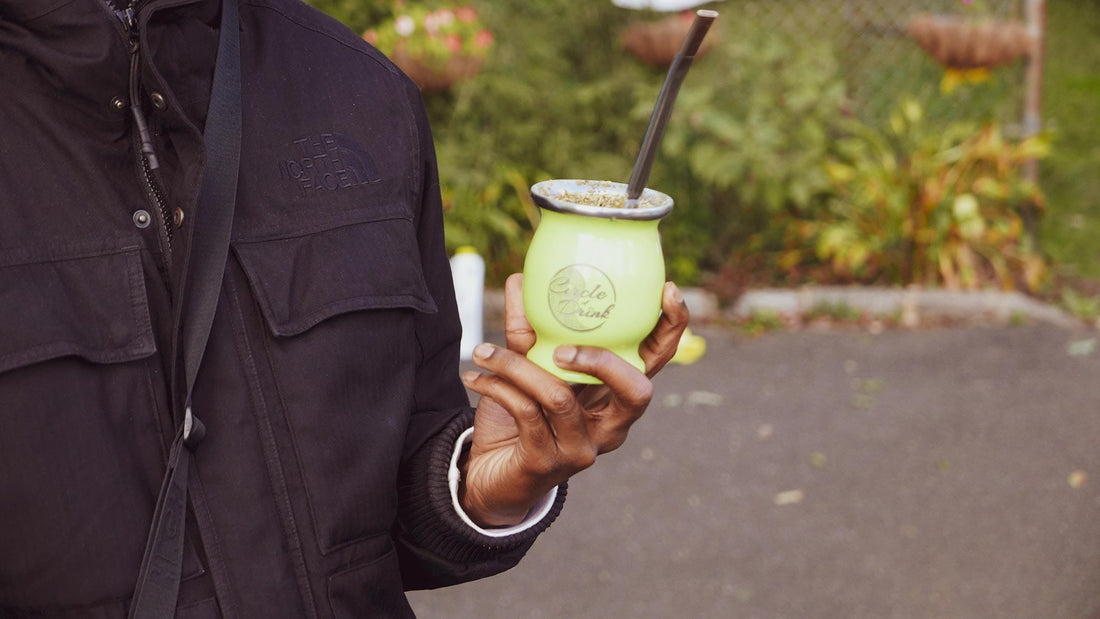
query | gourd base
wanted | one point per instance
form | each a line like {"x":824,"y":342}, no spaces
{"x":543,"y":356}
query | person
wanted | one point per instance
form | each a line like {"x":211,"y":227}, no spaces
{"x":338,"y":467}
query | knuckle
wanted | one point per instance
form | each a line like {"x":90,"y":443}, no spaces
{"x":614,"y":439}
{"x":528,"y":409}
{"x":613,"y":444}
{"x":584,"y":457}
{"x":560,"y":399}
{"x":639,"y":394}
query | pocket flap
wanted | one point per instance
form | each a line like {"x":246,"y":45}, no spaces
{"x":302,"y":280}
{"x":82,"y":299}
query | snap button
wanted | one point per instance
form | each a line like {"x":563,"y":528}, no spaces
{"x":118,"y":103}
{"x":142,"y":219}
{"x":158,"y":100}
{"x":177,"y":217}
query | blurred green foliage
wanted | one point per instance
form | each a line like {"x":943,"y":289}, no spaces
{"x":550,"y":102}
{"x":772,"y":175}
{"x":359,"y":15}
{"x":752,"y":144}
{"x":928,"y":204}
{"x":1071,"y":105}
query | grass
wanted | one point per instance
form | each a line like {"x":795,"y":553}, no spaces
{"x":1070,"y":230}
{"x":839,"y":311}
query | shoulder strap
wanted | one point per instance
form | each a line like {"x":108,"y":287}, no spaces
{"x":159,"y":579}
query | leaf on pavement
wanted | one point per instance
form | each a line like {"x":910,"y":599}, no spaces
{"x":789,"y":497}
{"x":817,"y":460}
{"x":1077,"y":479}
{"x":704,"y":398}
{"x":1081,"y":348}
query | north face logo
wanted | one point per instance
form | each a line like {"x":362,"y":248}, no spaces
{"x":328,"y":162}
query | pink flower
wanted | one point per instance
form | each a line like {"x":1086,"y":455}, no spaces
{"x":438,"y":19}
{"x":466,"y":14}
{"x":453,"y":43}
{"x":483,"y":39}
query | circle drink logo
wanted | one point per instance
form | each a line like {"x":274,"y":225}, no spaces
{"x":581,"y":297}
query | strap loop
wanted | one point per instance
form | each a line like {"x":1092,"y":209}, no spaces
{"x":157,"y":588}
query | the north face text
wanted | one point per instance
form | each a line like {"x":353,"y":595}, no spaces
{"x":328,"y":162}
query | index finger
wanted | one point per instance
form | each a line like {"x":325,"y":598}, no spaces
{"x":519,"y":380}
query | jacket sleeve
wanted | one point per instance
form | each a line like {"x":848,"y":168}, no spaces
{"x":436,"y":548}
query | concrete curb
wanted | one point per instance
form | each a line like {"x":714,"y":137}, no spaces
{"x":912,"y":306}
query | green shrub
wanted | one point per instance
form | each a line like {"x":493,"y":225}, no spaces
{"x":1071,"y":104}
{"x":752,"y":145}
{"x":494,"y":214}
{"x":933,"y":205}
{"x":772,"y":176}
{"x":549,"y":102}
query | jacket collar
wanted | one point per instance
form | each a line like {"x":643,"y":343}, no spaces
{"x":26,"y":11}
{"x":72,"y":47}
{"x":78,"y":48}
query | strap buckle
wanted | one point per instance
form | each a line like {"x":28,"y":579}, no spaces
{"x":193,"y":429}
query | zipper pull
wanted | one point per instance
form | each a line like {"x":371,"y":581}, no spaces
{"x":147,"y":150}
{"x":126,"y":15}
{"x":128,"y":18}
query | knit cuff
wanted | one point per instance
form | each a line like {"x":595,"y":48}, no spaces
{"x":429,"y":519}
{"x":454,"y":479}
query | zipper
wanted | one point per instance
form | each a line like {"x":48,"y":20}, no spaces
{"x":147,"y":154}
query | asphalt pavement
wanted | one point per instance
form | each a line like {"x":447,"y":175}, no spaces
{"x":944,"y":472}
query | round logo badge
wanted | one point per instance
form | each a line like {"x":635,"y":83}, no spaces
{"x":581,"y":297}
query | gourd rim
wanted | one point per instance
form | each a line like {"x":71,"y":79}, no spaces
{"x":652,"y":204}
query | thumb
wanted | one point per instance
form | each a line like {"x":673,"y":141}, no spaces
{"x":518,"y":333}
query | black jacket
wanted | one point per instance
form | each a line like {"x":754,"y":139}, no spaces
{"x":329,"y":388}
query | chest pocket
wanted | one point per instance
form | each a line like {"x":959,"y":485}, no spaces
{"x":86,"y":300}
{"x":367,"y":259}
{"x":339,"y":300}
{"x":77,"y":411}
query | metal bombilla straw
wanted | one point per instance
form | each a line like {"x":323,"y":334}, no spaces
{"x":663,"y":109}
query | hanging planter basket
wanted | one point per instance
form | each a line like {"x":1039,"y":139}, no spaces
{"x":958,"y":42}
{"x":656,"y":43}
{"x":437,"y":78}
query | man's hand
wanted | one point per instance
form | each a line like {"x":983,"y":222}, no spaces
{"x":532,"y":431}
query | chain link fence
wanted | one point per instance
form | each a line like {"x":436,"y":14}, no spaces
{"x":880,"y":60}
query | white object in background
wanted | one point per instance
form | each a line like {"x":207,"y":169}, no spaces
{"x":659,"y":5}
{"x":468,"y":271}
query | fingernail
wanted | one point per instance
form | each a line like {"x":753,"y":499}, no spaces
{"x":565,"y":354}
{"x":483,"y":351}
{"x":676,"y":294}
{"x":470,"y":376}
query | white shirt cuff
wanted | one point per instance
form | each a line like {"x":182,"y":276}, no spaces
{"x":537,"y":513}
